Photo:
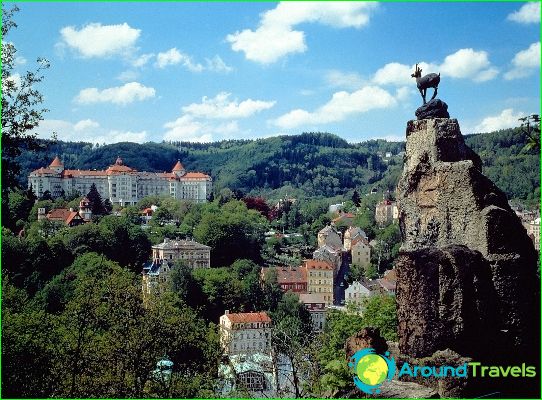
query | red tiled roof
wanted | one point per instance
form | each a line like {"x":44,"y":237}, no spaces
{"x":358,"y":239}
{"x":195,"y":175}
{"x":43,"y":171}
{"x":178,"y":166}
{"x":81,"y":172}
{"x":248,"y":317}
{"x":288,"y":275}
{"x":56,"y":163}
{"x":317,"y":264}
{"x":62,"y":214}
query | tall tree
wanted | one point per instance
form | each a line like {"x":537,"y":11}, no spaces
{"x":21,"y":106}
{"x":96,"y":201}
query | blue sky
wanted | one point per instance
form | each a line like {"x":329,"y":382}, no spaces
{"x":211,"y":71}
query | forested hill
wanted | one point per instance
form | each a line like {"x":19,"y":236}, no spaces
{"x":315,"y":164}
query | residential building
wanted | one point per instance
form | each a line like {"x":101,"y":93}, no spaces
{"x":156,"y":278}
{"x":388,"y":282}
{"x":386,"y":212}
{"x":344,"y":219}
{"x":330,"y":254}
{"x":360,"y":251}
{"x":244,"y":333}
{"x":329,"y":236}
{"x":121,"y":184}
{"x":533,"y":230}
{"x":333,"y":208}
{"x":195,"y":254}
{"x":253,"y":373}
{"x":320,"y":278}
{"x":289,"y":278}
{"x":66,"y":216}
{"x":316,"y":304}
{"x":352,"y":233}
{"x":357,"y":291}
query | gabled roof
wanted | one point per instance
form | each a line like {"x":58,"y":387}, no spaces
{"x":56,"y":163}
{"x":288,"y":274}
{"x":248,"y":317}
{"x":317,"y":264}
{"x":178,"y":167}
{"x":64,"y":215}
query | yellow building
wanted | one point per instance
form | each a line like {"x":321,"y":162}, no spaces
{"x":361,"y":251}
{"x":320,"y":278}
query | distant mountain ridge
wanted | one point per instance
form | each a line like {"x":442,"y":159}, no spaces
{"x":316,"y":163}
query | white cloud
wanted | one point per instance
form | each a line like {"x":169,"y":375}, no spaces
{"x":394,"y":74}
{"x":86,"y":124}
{"x":128,"y":75}
{"x":217,"y":64}
{"x":463,"y":64}
{"x":525,"y":62}
{"x":97,"y":40}
{"x":346,"y":80}
{"x":187,"y":129}
{"x":15,"y":78}
{"x":174,"y":57}
{"x":529,"y":13}
{"x":470,"y":64}
{"x":19,"y":60}
{"x":341,"y":105}
{"x":87,"y":131}
{"x":220,"y":107}
{"x":276,"y":38}
{"x":506,"y":119}
{"x":142,"y":60}
{"x":128,"y":93}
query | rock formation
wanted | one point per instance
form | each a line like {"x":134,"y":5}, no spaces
{"x":467,"y":269}
{"x":434,"y":108}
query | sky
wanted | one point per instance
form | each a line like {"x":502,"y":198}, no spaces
{"x":205,"y":72}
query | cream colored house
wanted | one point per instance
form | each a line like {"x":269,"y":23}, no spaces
{"x":361,"y":251}
{"x":195,"y":254}
{"x":352,"y":233}
{"x":316,"y":305}
{"x":329,"y":236}
{"x":121,"y":184}
{"x":245,"y":332}
{"x":320,"y":278}
{"x":386,"y":211}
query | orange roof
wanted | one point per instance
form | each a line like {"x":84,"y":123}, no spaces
{"x":358,"y":239}
{"x":56,"y":163}
{"x":43,"y":171}
{"x":62,"y":214}
{"x":317,"y":264}
{"x":197,"y":175}
{"x":178,"y":166}
{"x":288,"y":274}
{"x":81,"y":172}
{"x":249,"y":317}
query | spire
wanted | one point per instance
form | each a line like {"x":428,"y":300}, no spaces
{"x":56,"y":162}
{"x":178,"y":167}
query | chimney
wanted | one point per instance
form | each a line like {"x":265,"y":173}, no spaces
{"x":71,"y":209}
{"x":226,"y":312}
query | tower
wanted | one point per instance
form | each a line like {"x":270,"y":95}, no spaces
{"x":178,"y":169}
{"x":57,"y":165}
{"x":85,"y":210}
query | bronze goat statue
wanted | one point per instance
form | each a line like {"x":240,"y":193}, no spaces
{"x":425,"y":82}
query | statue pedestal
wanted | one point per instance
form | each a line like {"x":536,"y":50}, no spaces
{"x":435,"y":108}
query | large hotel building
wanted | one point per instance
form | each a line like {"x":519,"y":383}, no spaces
{"x":121,"y":184}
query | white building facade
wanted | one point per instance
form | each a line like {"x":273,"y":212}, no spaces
{"x":121,"y":184}
{"x":245,"y":333}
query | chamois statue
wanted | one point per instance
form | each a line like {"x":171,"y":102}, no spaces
{"x":425,"y":82}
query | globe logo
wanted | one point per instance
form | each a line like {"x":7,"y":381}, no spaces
{"x":371,"y":369}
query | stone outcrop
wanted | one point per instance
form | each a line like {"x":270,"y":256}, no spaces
{"x":435,"y":108}
{"x":467,"y":269}
{"x":368,"y":337}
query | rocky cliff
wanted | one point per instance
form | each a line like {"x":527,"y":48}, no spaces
{"x":467,"y":271}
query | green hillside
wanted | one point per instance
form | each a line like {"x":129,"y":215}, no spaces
{"x":310,"y":164}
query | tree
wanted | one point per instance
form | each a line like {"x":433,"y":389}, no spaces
{"x":356,"y":199}
{"x":21,"y":111}
{"x":96,"y":202}
{"x":530,"y":126}
{"x":292,"y":334}
{"x":380,"y":312}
